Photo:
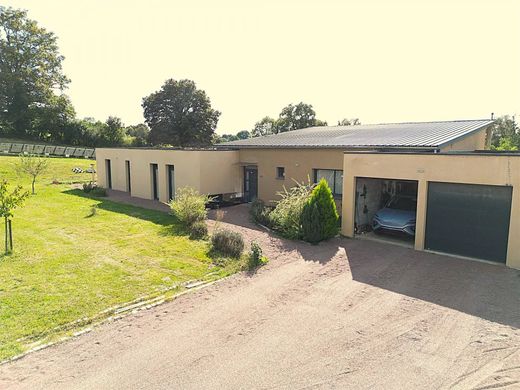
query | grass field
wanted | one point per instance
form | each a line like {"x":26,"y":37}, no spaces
{"x":69,"y":264}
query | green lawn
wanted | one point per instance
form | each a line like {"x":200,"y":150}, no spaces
{"x":68,"y":265}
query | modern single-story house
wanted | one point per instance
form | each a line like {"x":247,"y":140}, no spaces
{"x":467,"y":203}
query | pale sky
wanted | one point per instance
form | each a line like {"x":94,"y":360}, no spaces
{"x":381,"y":61}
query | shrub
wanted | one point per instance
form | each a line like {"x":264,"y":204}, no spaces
{"x":260,"y":213}
{"x":227,"y":243}
{"x":198,"y":230}
{"x":87,"y":187}
{"x":311,"y":224}
{"x":189,"y":206}
{"x":320,"y":219}
{"x":98,"y":191}
{"x":286,"y":216}
{"x":256,"y":257}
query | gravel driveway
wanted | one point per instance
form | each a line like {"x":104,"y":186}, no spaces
{"x":344,"y":314}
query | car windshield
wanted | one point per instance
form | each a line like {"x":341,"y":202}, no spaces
{"x":407,"y":204}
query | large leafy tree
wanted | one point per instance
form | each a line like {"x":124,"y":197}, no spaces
{"x":292,"y":117}
{"x":179,"y":114}
{"x":265,"y":126}
{"x":30,"y":73}
{"x":297,"y":116}
{"x":139,"y":134}
{"x":505,"y":134}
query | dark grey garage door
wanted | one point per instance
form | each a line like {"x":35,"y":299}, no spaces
{"x":468,"y":220}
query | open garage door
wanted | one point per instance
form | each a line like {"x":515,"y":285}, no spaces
{"x":468,"y":220}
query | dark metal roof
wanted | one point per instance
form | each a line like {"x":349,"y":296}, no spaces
{"x":386,"y":135}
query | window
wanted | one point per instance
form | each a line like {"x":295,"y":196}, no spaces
{"x":280,"y":173}
{"x":333,"y":177}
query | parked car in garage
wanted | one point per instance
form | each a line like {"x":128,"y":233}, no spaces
{"x":397,"y":216}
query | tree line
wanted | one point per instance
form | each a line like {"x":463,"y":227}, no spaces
{"x":34,"y":106}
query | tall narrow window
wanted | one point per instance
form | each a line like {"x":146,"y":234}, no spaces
{"x":108,"y":169}
{"x":128,"y":177}
{"x":171,"y":181}
{"x":280,"y":173}
{"x":154,"y":170}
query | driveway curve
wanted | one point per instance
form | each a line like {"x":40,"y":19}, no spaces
{"x":343,"y":314}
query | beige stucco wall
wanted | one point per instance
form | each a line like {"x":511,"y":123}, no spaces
{"x":469,"y":169}
{"x":479,"y":140}
{"x":208,"y":171}
{"x":298,"y":164}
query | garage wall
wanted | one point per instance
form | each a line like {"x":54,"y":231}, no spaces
{"x":487,"y":169}
{"x":208,"y":171}
{"x":481,"y":140}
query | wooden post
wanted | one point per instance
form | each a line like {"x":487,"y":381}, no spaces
{"x":6,"y":237}
{"x":10,"y":236}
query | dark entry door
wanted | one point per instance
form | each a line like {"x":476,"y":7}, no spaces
{"x":468,"y":220}
{"x":171,"y":182}
{"x":108,"y":169}
{"x":155,"y":184}
{"x":250,"y":183}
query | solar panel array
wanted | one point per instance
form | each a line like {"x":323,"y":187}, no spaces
{"x":46,"y":150}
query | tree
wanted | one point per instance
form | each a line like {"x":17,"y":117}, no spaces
{"x":30,"y":72}
{"x":265,"y":126}
{"x":112,"y":133}
{"x":505,"y":144}
{"x":180,"y":114}
{"x":139,"y":133}
{"x":32,"y":165}
{"x":226,"y":138}
{"x":349,"y":122}
{"x":243,"y":134}
{"x":8,"y":202}
{"x":320,"y":219}
{"x":294,"y":117}
{"x":505,"y":133}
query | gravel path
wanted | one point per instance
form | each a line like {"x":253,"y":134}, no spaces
{"x":344,"y":314}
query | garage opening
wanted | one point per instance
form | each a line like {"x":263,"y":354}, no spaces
{"x":468,"y":220}
{"x":386,"y":209}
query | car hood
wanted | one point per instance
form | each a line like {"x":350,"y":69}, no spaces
{"x":395,"y":217}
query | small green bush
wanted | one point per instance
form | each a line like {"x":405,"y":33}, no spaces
{"x":98,"y":191}
{"x":320,"y":219}
{"x":198,"y":230}
{"x":227,"y":243}
{"x":87,"y":187}
{"x":189,"y":206}
{"x":256,"y":257}
{"x":260,"y":213}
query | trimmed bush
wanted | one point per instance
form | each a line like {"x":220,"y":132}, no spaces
{"x":320,"y":219}
{"x":227,"y":243}
{"x":189,"y":206}
{"x":311,"y":224}
{"x":198,"y":230}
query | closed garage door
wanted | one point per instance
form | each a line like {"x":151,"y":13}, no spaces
{"x":468,"y":220}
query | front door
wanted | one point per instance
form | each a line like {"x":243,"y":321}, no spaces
{"x":250,"y":183}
